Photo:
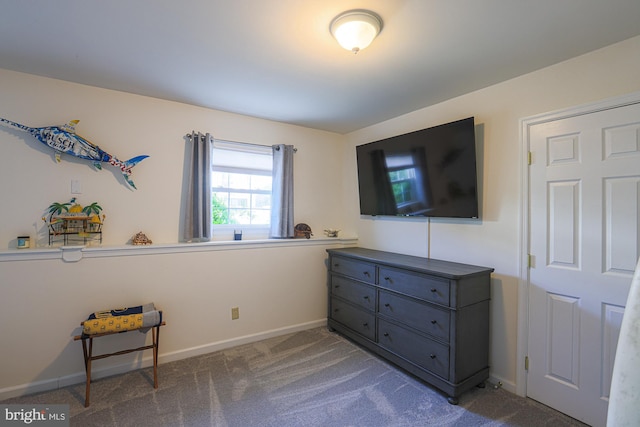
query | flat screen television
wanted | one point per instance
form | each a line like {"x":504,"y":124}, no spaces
{"x":426,"y":173}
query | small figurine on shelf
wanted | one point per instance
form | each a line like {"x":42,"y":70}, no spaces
{"x":140,"y":239}
{"x":330,"y":232}
{"x":302,"y":230}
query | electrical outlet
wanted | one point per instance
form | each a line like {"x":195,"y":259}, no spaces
{"x":235,"y":313}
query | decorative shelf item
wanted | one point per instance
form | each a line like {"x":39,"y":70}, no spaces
{"x":331,"y":232}
{"x":71,"y":221}
{"x":302,"y":230}
{"x":140,"y":239}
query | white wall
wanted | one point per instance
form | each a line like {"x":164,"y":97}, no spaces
{"x":278,"y":287}
{"x":495,"y":239}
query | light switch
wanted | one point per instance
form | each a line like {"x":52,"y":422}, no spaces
{"x":76,"y":187}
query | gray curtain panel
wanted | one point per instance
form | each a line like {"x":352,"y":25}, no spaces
{"x":282,"y":192}
{"x":198,"y":220}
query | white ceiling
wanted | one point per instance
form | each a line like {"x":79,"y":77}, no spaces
{"x":276,"y":59}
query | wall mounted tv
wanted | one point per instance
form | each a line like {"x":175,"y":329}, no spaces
{"x":426,"y":173}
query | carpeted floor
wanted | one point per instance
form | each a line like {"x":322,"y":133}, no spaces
{"x":309,"y":378}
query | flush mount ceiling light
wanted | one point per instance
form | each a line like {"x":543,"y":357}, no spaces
{"x":356,"y":29}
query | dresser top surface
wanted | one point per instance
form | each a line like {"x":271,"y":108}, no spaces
{"x":442,"y":268}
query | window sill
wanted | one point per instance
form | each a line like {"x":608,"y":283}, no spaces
{"x":76,"y":253}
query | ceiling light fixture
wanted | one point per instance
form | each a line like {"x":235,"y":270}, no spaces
{"x":356,"y":29}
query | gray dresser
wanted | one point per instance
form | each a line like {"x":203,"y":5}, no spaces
{"x":427,"y":316}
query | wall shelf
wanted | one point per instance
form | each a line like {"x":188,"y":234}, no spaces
{"x":74,"y":253}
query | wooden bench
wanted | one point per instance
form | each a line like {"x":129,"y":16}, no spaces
{"x":89,"y":357}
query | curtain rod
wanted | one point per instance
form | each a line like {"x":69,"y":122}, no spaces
{"x":295,"y":150}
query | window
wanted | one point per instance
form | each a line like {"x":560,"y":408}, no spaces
{"x":241,"y":184}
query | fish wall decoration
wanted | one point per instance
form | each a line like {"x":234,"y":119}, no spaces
{"x":64,"y":140}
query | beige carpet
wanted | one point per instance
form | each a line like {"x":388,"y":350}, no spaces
{"x":310,"y":378}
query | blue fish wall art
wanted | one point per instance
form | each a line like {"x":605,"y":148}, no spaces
{"x":64,"y":140}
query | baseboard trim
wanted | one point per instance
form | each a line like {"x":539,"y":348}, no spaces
{"x":496,"y":381}
{"x":79,"y":377}
{"x":233,"y":342}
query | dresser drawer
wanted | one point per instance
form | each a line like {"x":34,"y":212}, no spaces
{"x":360,"y":270}
{"x":418,"y":315}
{"x":354,"y":318}
{"x":354,"y":292}
{"x":421,"y":351}
{"x":421,"y":286}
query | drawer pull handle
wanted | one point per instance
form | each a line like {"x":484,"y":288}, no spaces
{"x":365,"y":324}
{"x":366,"y":297}
{"x":335,"y":310}
{"x":336,"y":286}
{"x":388,"y":279}
{"x":433,"y":356}
{"x":434,"y":290}
{"x":387,"y":305}
{"x":386,"y":334}
{"x":366,"y":273}
{"x":433,"y":322}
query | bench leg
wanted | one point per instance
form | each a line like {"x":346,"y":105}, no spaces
{"x":156,"y":341}
{"x":87,"y":368}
